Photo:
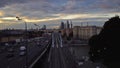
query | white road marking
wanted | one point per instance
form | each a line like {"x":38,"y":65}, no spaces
{"x":49,"y":55}
{"x":8,"y":66}
{"x":57,"y":45}
{"x":61,"y":41}
{"x":38,"y":58}
{"x":53,"y":41}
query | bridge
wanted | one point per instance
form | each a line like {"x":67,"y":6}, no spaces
{"x":57,"y":55}
{"x":48,"y":52}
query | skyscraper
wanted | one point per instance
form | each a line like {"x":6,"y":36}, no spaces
{"x":68,"y":25}
{"x":71,"y":24}
{"x":44,"y":27}
{"x":62,"y":25}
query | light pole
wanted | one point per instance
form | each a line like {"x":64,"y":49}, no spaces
{"x":38,"y":30}
{"x":37,"y":26}
{"x":20,"y":19}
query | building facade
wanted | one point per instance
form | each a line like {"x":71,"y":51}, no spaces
{"x":85,"y":32}
{"x":66,"y":28}
{"x":62,"y":26}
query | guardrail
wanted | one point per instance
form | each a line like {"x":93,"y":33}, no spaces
{"x":43,"y":52}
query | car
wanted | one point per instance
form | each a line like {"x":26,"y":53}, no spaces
{"x":22,"y":48}
{"x":22,"y":53}
{"x":10,"y":50}
{"x":46,"y":41}
{"x":9,"y":55}
{"x":6,"y":44}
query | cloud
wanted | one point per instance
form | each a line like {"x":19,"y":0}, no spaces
{"x":8,"y":2}
{"x":8,"y":18}
{"x":52,"y":11}
{"x":3,"y":3}
{"x":67,"y":6}
{"x":1,"y":21}
{"x":70,"y":4}
{"x":1,"y":13}
{"x":106,"y":5}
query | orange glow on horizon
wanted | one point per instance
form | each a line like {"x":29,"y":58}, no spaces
{"x":1,"y":13}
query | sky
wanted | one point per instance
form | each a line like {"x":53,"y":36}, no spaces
{"x":52,"y":12}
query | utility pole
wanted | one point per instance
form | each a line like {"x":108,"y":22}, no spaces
{"x":26,"y":43}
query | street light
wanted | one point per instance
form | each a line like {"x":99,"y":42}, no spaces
{"x":38,"y":30}
{"x":37,"y":26}
{"x":20,"y":19}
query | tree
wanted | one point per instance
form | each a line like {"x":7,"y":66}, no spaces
{"x":95,"y":48}
{"x":108,"y":42}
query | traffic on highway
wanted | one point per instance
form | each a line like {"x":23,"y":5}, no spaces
{"x":17,"y":55}
{"x":45,"y":52}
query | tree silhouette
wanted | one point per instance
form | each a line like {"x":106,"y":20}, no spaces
{"x":107,"y":43}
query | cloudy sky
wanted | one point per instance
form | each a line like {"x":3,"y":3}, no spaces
{"x":52,"y":12}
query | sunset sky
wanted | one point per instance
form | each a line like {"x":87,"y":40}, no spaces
{"x":52,"y":12}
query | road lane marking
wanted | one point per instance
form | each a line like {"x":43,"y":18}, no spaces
{"x":61,"y":45}
{"x":49,"y":55}
{"x":57,"y":45}
{"x":8,"y":66}
{"x":53,"y":44}
{"x":38,"y":58}
{"x":53,"y":41}
{"x":61,"y":41}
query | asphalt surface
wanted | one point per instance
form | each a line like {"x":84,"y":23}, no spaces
{"x":60,"y":57}
{"x":35,"y":47}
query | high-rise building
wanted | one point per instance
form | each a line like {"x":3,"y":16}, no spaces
{"x":65,"y":25}
{"x":71,"y":24}
{"x":85,"y":32}
{"x":44,"y":27}
{"x":68,"y":25}
{"x":62,"y":25}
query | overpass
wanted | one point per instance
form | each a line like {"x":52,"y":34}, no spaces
{"x":56,"y":56}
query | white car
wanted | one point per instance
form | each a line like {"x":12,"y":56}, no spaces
{"x":22,"y":48}
{"x":6,"y":44}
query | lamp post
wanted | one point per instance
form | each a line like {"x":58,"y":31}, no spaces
{"x":20,"y":19}
{"x":37,"y":26}
{"x":38,"y":30}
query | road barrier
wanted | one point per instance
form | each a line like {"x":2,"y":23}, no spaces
{"x":39,"y":57}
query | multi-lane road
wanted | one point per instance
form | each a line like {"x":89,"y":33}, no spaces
{"x":35,"y":47}
{"x":41,"y":55}
{"x":59,"y":56}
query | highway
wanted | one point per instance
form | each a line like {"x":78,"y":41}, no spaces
{"x":41,"y":55}
{"x":59,"y":56}
{"x":17,"y":61}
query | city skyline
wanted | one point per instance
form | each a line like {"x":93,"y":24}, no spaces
{"x":52,"y":12}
